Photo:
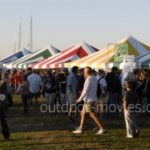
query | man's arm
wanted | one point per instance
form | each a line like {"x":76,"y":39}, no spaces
{"x":85,"y":90}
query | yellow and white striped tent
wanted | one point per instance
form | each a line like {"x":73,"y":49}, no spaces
{"x":106,"y":55}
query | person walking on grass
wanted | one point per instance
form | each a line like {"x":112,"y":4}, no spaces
{"x":89,"y":95}
{"x":23,"y":90}
{"x":3,"y":105}
{"x":35,"y":84}
{"x":9,"y":90}
{"x":129,"y":102}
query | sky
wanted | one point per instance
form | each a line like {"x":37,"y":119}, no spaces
{"x":63,"y":23}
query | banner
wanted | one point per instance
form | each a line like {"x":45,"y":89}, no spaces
{"x":128,"y":63}
{"x":129,"y":59}
{"x":128,"y":67}
{"x":121,"y":50}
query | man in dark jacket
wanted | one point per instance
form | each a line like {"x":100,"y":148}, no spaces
{"x":114,"y":88}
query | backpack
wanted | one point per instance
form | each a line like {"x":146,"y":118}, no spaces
{"x":99,"y":90}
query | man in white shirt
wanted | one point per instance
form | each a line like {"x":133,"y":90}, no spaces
{"x":89,"y":95}
{"x":35,"y":83}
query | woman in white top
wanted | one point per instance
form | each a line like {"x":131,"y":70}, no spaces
{"x":89,"y":95}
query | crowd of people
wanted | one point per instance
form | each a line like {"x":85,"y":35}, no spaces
{"x":83,"y":90}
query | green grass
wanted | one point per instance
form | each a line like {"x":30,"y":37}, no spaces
{"x":42,"y":131}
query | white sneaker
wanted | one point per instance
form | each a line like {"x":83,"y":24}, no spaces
{"x":78,"y":131}
{"x":101,"y":131}
{"x":129,"y":136}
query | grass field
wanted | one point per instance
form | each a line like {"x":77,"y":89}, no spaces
{"x":42,"y":131}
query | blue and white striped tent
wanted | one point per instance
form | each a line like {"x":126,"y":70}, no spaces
{"x":15,"y":56}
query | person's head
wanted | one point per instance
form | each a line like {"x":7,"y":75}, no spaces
{"x":14,"y":72}
{"x":114,"y":70}
{"x":136,"y":72}
{"x":60,"y":76}
{"x":38,"y":72}
{"x":128,"y":85}
{"x":8,"y":71}
{"x":29,"y":69}
{"x":81,"y":71}
{"x":94,"y":73}
{"x":87,"y":72}
{"x":34,"y":71}
{"x":101,"y":72}
{"x":74,"y":70}
{"x":49,"y":76}
{"x":23,"y":71}
{"x":143,"y":75}
{"x":65,"y":70}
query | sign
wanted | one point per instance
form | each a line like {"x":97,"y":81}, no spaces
{"x":121,"y":50}
{"x":128,"y":67}
{"x":128,"y":63}
{"x":129,"y":59}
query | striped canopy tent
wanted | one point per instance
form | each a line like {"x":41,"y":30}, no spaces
{"x":16,"y":56}
{"x":106,"y":55}
{"x":36,"y":56}
{"x":144,"y":61}
{"x":73,"y":53}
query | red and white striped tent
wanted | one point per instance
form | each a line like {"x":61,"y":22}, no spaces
{"x":73,"y":53}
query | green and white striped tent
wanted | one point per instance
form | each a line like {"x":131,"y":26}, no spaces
{"x":34,"y":57}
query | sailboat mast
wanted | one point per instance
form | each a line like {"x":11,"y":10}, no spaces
{"x":31,"y":40}
{"x":19,"y":42}
{"x":14,"y":47}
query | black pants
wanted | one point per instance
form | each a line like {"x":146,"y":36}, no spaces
{"x":25,"y":99}
{"x":5,"y":129}
{"x":10,"y":100}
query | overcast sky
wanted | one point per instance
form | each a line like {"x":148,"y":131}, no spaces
{"x":63,"y":23}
